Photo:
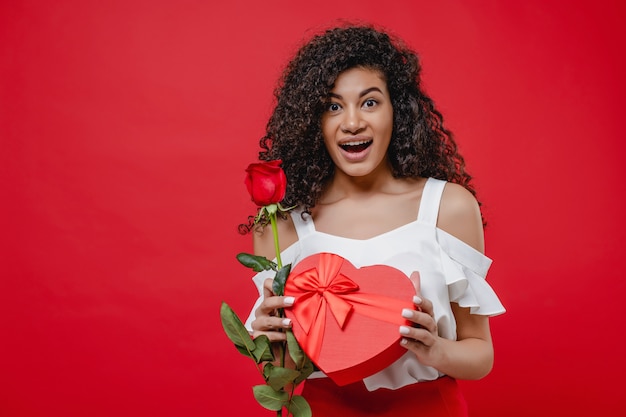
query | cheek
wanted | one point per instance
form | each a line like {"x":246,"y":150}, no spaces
{"x":332,"y":151}
{"x":324,"y":127}
{"x":390,"y":119}
{"x":385,"y":125}
{"x":327,"y":133}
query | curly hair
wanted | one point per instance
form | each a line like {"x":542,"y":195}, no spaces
{"x":420,"y":144}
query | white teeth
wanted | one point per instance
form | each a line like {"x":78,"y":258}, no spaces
{"x":355,"y":143}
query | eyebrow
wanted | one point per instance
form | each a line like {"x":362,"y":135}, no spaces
{"x":361,"y":94}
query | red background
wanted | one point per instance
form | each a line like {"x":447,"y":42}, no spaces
{"x":125,"y":127}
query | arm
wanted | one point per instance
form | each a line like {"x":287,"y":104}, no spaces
{"x":471,"y":355}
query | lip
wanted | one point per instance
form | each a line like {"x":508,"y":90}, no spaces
{"x":355,"y":156}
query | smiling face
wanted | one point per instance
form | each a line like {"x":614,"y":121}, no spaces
{"x":358,"y":123}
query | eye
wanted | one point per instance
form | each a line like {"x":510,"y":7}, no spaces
{"x":370,"y":102}
{"x":333,"y":107}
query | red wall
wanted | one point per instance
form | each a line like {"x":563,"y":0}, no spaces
{"x":125,"y":127}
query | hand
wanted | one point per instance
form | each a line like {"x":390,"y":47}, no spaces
{"x":267,"y":321}
{"x":422,"y":339}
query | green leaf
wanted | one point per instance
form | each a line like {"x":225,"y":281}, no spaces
{"x":235,"y":330}
{"x":306,"y":370}
{"x":255,"y":262}
{"x":267,"y":369}
{"x":303,"y":363}
{"x":270,"y":398}
{"x":263,"y":349}
{"x":278,"y":377}
{"x":299,"y":407}
{"x":278,"y":286}
{"x":295,"y":351}
{"x":245,"y":352}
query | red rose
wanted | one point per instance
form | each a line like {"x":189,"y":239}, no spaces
{"x":266,"y":182}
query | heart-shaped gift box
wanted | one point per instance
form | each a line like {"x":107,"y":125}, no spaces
{"x":346,"y":319}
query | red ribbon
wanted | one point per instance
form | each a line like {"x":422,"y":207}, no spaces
{"x":321,"y":289}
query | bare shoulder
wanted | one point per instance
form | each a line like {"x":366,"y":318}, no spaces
{"x":263,"y":238}
{"x":459,"y":215}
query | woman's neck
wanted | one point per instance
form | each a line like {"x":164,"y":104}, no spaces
{"x":345,"y":186}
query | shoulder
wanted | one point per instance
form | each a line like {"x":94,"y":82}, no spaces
{"x":263,"y":237}
{"x":459,"y":215}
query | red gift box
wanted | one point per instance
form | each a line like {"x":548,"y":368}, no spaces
{"x":346,"y":319}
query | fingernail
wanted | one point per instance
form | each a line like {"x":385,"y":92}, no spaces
{"x":286,"y":322}
{"x":404,"y":341}
{"x":417,"y":300}
{"x":406,"y":313}
{"x":289,"y":300}
{"x":404,"y":330}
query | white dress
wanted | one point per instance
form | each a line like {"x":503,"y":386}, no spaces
{"x":450,"y":271}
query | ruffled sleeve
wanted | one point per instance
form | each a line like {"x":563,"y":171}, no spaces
{"x":465,"y":270}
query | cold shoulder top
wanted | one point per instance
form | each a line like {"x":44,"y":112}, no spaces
{"x":450,"y":271}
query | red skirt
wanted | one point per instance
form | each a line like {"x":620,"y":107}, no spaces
{"x":439,"y":398}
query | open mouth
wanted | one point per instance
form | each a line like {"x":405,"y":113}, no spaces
{"x":356,"y":146}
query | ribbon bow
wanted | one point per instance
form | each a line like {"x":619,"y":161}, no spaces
{"x":324,"y":288}
{"x":321,"y":288}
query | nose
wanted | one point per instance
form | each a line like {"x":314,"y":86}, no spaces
{"x":352,"y":121}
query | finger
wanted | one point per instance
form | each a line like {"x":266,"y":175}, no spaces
{"x":423,"y":304}
{"x":420,"y":319}
{"x":270,"y":323}
{"x":425,"y":321}
{"x":272,"y":336}
{"x":413,"y":336}
{"x":418,"y":348}
{"x":272,"y":303}
{"x":267,"y":288}
{"x":417,"y":283}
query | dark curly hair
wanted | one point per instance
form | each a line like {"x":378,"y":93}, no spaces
{"x":420,"y":144}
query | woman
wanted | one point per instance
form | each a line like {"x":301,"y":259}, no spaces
{"x":377,"y":179}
